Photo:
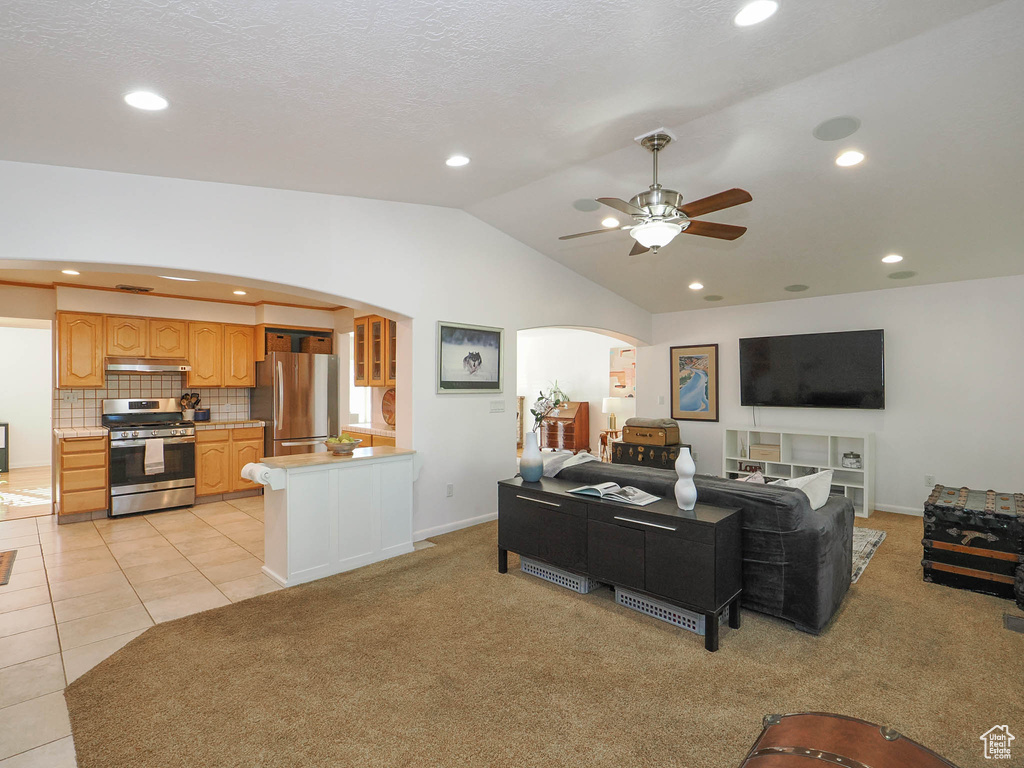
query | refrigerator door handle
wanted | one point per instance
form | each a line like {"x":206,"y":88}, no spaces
{"x":291,"y":443}
{"x":279,"y":384}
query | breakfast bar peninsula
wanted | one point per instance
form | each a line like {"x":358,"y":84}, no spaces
{"x":324,"y":514}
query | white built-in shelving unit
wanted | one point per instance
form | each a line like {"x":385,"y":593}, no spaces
{"x":804,"y":452}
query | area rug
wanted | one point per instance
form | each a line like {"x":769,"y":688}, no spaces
{"x":435,"y":659}
{"x":865,"y":544}
{"x":7,"y":565}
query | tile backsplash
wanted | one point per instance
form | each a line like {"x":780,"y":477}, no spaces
{"x":228,"y":404}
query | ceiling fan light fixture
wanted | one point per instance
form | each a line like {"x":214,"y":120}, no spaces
{"x":655,"y":234}
{"x":755,"y":12}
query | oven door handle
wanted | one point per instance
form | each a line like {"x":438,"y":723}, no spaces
{"x":137,"y":443}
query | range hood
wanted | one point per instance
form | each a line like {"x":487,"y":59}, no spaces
{"x":147,"y":365}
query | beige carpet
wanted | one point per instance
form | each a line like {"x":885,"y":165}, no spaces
{"x":435,"y":659}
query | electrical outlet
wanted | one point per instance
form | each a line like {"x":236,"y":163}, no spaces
{"x":69,"y":396}
{"x":449,"y":490}
{"x":929,"y":481}
{"x":497,"y":406}
{"x":661,"y":399}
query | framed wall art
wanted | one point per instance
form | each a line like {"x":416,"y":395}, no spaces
{"x":694,"y":382}
{"x":469,"y":358}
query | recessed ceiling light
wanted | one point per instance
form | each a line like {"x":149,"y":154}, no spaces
{"x":892,"y":258}
{"x":70,"y":272}
{"x":836,"y":128}
{"x":610,"y":222}
{"x":849,"y":157}
{"x":696,"y":286}
{"x":755,"y":12}
{"x":713,"y":297}
{"x":796,"y":288}
{"x":182,"y":279}
{"x":902,"y":275}
{"x":239,"y":293}
{"x":457,"y":161}
{"x":146,"y":100}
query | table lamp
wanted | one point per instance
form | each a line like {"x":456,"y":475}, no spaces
{"x":610,"y":405}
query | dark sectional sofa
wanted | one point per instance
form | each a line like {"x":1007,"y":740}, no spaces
{"x":796,"y":560}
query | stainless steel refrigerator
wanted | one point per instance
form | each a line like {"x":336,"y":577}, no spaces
{"x":297,"y":396}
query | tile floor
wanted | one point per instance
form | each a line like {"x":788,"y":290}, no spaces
{"x":25,"y":493}
{"x":79,"y":592}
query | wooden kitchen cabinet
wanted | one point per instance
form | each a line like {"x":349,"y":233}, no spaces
{"x":168,"y":338}
{"x":205,"y":354}
{"x":127,"y":336}
{"x":82,"y":475}
{"x":369,"y":441}
{"x":80,"y":347}
{"x":375,"y":351}
{"x":391,"y":354}
{"x":220,"y":456}
{"x":239,"y":356}
{"x":213,"y":462}
{"x":360,"y":377}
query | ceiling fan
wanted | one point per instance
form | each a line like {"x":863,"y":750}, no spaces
{"x":660,"y":214}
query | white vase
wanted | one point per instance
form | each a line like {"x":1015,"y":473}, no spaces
{"x":686,"y":491}
{"x":531,"y":465}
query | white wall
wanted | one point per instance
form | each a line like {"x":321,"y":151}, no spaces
{"x":25,"y":393}
{"x":423,"y":262}
{"x":579,"y":360}
{"x":954,"y":377}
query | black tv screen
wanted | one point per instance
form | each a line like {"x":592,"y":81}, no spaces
{"x":814,"y":370}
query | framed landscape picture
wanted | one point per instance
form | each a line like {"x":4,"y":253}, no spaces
{"x":469,"y":358}
{"x":694,"y":382}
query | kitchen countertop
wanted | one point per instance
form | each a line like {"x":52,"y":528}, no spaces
{"x":228,"y":424}
{"x":299,"y":460}
{"x":370,"y":429}
{"x":66,"y":432}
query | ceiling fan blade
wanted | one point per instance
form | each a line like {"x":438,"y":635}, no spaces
{"x":638,"y":248}
{"x":591,"y":232}
{"x":621,"y":205}
{"x":711,"y":229}
{"x":718,"y":202}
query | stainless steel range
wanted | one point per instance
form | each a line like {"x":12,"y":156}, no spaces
{"x":152,"y":455}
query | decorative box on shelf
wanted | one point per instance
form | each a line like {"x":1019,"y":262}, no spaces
{"x":765,"y":452}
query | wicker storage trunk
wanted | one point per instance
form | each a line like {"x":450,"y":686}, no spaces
{"x":974,"y":540}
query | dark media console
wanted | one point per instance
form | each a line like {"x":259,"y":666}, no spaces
{"x":688,"y":559}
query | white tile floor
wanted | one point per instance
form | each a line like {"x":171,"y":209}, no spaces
{"x":80,"y":592}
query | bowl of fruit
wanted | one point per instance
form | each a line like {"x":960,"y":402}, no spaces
{"x":342,"y":445}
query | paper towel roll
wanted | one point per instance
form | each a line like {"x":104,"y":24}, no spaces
{"x":264,"y":475}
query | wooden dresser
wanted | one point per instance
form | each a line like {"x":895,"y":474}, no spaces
{"x":567,"y":428}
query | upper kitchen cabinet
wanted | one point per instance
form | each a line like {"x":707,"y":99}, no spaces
{"x":168,"y":338}
{"x":239,"y":356}
{"x":360,"y":377}
{"x":80,"y":346}
{"x":127,"y":336}
{"x":206,"y":354}
{"x":375,"y":350}
{"x":391,"y":353}
{"x":377,"y":337}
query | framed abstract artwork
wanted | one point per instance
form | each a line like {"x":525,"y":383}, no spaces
{"x":469,"y":358}
{"x":694,"y":382}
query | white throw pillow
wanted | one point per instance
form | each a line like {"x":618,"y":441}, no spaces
{"x":816,"y":487}
{"x":754,"y":477}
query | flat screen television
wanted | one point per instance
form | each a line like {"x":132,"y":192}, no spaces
{"x":814,"y":370}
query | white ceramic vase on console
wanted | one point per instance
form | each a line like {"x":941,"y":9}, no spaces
{"x":531,"y":465}
{"x":686,"y":491}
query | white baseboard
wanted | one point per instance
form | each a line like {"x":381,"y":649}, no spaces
{"x":437,"y":530}
{"x":913,"y":511}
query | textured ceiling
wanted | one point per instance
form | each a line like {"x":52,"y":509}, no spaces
{"x":367,"y":98}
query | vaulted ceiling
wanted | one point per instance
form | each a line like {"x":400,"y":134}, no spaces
{"x":369,"y":97}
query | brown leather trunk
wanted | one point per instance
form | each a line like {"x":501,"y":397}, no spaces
{"x":815,"y":738}
{"x":659,"y":436}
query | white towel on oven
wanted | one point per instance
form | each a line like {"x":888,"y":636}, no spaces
{"x":153,"y":464}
